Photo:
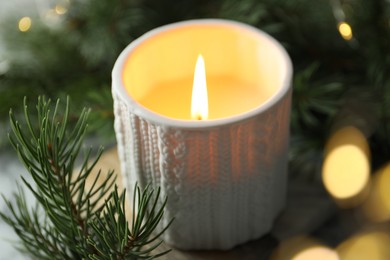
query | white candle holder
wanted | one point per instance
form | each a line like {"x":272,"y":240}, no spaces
{"x":225,"y":178}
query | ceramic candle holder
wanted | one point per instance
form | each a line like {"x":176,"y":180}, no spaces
{"x":225,"y":177}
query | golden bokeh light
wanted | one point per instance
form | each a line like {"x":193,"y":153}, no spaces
{"x":346,"y":167}
{"x":303,"y":248}
{"x":60,"y":9}
{"x":370,"y":245}
{"x":345,"y":30}
{"x":317,"y":253}
{"x":377,"y":206}
{"x":24,"y":24}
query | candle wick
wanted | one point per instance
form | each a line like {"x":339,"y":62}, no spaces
{"x":199,"y":117}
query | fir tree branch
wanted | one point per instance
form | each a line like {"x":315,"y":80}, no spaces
{"x":112,"y":232}
{"x":79,"y":221}
{"x":39,"y":239}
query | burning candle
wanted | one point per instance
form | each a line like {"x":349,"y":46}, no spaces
{"x":202,"y":111}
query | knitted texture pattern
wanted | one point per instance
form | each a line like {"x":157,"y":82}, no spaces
{"x":225,"y":185}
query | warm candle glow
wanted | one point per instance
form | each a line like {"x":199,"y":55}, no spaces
{"x":237,"y":80}
{"x":199,"y":102}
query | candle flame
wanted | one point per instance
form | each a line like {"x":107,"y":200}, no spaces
{"x":199,"y":102}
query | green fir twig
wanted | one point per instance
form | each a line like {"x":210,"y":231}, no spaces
{"x":72,"y":220}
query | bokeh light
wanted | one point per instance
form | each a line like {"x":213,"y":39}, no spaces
{"x":345,"y":30}
{"x":317,"y":253}
{"x":377,"y":206}
{"x":60,"y":9}
{"x":303,"y":248}
{"x":346,"y":167}
{"x":366,"y":246}
{"x":24,"y":24}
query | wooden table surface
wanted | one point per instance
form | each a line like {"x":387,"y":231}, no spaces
{"x":308,"y":210}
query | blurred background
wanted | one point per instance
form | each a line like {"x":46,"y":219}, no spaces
{"x":340,"y":121}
